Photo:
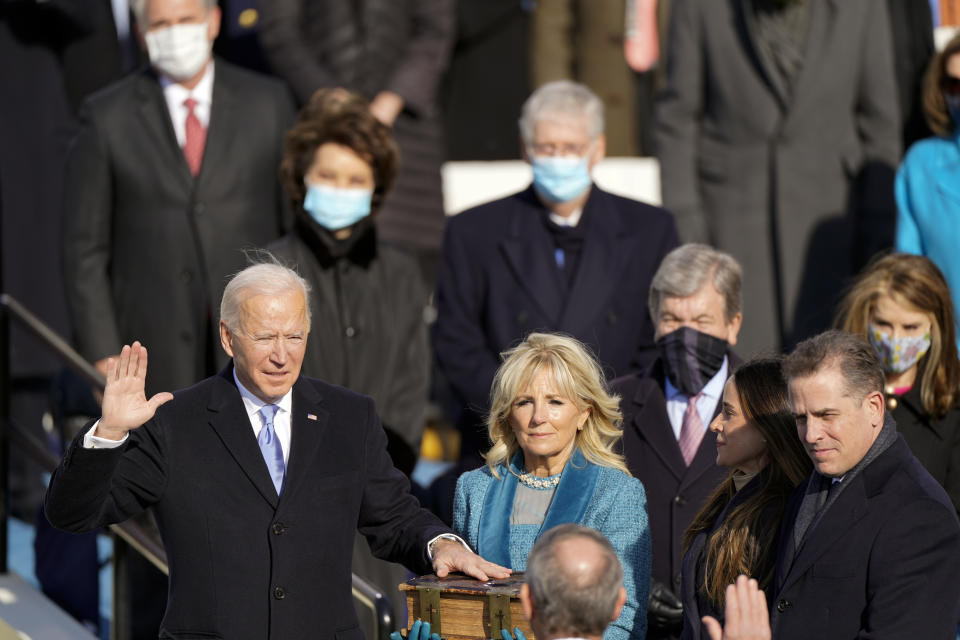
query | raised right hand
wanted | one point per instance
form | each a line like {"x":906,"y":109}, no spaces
{"x":125,"y":406}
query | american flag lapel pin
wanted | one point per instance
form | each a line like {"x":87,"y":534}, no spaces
{"x":311,"y":416}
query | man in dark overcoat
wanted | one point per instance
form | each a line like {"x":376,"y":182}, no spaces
{"x":695,"y":303}
{"x":259,"y":479}
{"x":870,"y":542}
{"x":162,"y":198}
{"x":562,"y":255}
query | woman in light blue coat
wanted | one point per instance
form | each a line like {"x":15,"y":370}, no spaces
{"x":928,"y":182}
{"x":554,"y":428}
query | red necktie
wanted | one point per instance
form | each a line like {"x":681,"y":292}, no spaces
{"x":640,"y":45}
{"x":196,"y":138}
{"x":691,"y":431}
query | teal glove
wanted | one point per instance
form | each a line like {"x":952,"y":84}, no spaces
{"x":517,"y":634}
{"x":419,"y":631}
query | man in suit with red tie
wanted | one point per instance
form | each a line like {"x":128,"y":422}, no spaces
{"x":259,"y":478}
{"x":695,"y":306}
{"x":173,"y":174}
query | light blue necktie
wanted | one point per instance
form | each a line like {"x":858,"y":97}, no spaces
{"x":270,"y":446}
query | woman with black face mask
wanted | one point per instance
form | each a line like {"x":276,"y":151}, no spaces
{"x":902,"y":305}
{"x":928,"y":181}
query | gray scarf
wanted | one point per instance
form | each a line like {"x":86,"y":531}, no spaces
{"x":819,"y":498}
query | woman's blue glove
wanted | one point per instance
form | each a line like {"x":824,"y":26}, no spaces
{"x":420,"y":631}
{"x":517,"y":634}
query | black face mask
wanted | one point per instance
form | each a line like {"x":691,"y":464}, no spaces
{"x":691,"y":358}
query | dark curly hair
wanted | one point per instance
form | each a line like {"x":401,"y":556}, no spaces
{"x":341,"y":117}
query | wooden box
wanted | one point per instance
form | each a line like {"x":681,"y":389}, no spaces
{"x":461,"y":608}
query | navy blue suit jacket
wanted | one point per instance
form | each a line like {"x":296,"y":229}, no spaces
{"x":499,"y":282}
{"x":882,"y":563}
{"x":245,"y":564}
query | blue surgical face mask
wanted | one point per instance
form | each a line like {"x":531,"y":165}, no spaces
{"x":335,"y":208}
{"x":560,"y":179}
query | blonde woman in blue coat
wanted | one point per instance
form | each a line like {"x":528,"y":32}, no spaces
{"x":554,"y":428}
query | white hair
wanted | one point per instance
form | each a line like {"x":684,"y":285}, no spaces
{"x":139,"y":9}
{"x":685,"y":269}
{"x":269,"y":278}
{"x":561,"y":98}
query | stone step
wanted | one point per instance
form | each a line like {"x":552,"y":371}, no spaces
{"x":27,"y":614}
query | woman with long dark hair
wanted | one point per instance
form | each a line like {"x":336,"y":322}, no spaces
{"x":736,"y":530}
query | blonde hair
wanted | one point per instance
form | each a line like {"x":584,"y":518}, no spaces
{"x":915,"y":283}
{"x":578,"y":377}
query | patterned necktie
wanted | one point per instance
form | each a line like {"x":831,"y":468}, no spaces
{"x":196,"y":138}
{"x":691,"y":431}
{"x":270,"y":446}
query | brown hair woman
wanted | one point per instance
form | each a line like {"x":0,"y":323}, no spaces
{"x":736,"y":530}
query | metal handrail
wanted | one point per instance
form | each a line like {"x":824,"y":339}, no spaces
{"x":129,"y":532}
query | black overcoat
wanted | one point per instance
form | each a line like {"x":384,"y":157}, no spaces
{"x":148,"y":248}
{"x":882,"y":563}
{"x":243,"y":563}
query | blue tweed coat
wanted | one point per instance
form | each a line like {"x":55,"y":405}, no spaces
{"x":617,"y":509}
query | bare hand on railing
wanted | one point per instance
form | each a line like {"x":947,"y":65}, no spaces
{"x":125,"y":405}
{"x":101,"y":366}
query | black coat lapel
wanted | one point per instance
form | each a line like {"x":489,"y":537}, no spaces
{"x":597,"y":273}
{"x":307,"y":423}
{"x":653,"y":424}
{"x":158,"y":124}
{"x":222,"y":130}
{"x":528,"y":250}
{"x":229,"y":419}
{"x":850,"y":507}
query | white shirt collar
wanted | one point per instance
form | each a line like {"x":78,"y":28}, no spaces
{"x":176,"y":92}
{"x":253,"y":404}
{"x":571,"y":220}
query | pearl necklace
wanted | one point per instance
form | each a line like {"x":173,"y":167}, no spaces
{"x":531,"y":480}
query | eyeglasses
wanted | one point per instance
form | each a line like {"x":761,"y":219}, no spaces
{"x":563,"y":149}
{"x":950,"y":86}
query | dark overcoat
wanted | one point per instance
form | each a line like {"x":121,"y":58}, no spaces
{"x":148,"y":248}
{"x":675,"y":492}
{"x":795,"y":182}
{"x":883,"y":562}
{"x":499,"y":282}
{"x":245,"y":564}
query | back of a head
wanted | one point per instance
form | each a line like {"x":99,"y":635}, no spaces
{"x":574,"y":577}
{"x":683,"y":271}
{"x":853,"y":357}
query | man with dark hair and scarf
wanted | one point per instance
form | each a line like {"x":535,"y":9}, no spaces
{"x":695,"y":306}
{"x":870,"y":543}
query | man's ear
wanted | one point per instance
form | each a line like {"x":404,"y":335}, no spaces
{"x":526,"y":602}
{"x":875,"y":406}
{"x":226,"y":338}
{"x":621,"y":600}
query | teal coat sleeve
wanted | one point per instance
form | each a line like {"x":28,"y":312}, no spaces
{"x":618,"y":510}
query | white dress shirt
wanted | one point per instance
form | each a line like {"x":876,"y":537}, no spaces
{"x":175,"y":95}
{"x":706,"y":404}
